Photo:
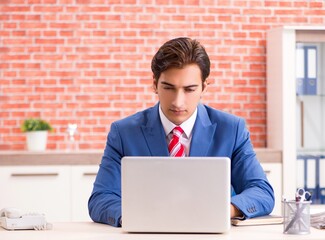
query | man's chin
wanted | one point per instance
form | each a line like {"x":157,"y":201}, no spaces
{"x":177,"y":120}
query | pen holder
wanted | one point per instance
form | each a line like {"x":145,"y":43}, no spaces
{"x":296,"y":217}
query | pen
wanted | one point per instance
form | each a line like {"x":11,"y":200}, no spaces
{"x":301,"y":196}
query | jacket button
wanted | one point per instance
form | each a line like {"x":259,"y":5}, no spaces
{"x":111,"y":220}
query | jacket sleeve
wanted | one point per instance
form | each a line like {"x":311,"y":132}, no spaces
{"x":104,"y":204}
{"x":254,"y":195}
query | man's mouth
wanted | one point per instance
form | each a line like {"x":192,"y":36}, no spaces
{"x":177,"y":111}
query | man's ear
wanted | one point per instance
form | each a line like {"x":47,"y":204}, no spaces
{"x":204,"y":86}
{"x":154,"y":86}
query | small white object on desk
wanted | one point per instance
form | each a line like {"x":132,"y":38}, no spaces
{"x":12,"y":219}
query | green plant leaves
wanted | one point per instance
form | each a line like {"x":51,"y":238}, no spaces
{"x":33,"y":124}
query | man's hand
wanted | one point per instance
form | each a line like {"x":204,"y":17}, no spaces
{"x":234,"y":212}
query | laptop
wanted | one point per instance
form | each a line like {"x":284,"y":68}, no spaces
{"x":175,"y":195}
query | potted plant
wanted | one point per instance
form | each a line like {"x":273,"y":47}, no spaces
{"x":36,"y":133}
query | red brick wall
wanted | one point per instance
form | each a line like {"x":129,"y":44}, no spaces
{"x":88,"y":61}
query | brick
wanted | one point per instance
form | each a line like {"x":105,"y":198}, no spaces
{"x":317,"y":20}
{"x":34,"y":1}
{"x":15,"y":106}
{"x":227,"y":18}
{"x":318,"y":12}
{"x":64,"y":25}
{"x":17,"y":41}
{"x":14,"y":57}
{"x":92,"y":146}
{"x":88,"y":9}
{"x":33,"y":49}
{"x":97,"y":41}
{"x":32,"y":25}
{"x":72,"y":9}
{"x":63,"y":49}
{"x":83,"y":65}
{"x":65,"y":65}
{"x":257,"y":98}
{"x":96,"y":105}
{"x":48,"y":90}
{"x":192,"y":10}
{"x":18,"y":33}
{"x":255,"y":12}
{"x":4,"y":49}
{"x":288,"y":12}
{"x":300,"y":4}
{"x":18,"y":17}
{"x":49,"y":41}
{"x":33,"y":98}
{"x":64,"y":74}
{"x":254,"y":74}
{"x":316,"y":4}
{"x":91,"y":58}
{"x":66,"y":33}
{"x":96,"y":57}
{"x":83,"y":17}
{"x":12,"y":9}
{"x":32,"y":74}
{"x":45,"y":9}
{"x":254,"y":105}
{"x":240,"y":34}
{"x":48,"y":57}
{"x":65,"y":17}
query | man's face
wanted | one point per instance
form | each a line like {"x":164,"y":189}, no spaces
{"x":179,"y":92}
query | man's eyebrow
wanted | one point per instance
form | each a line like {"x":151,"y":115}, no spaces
{"x":190,"y":86}
{"x":171,"y":85}
{"x":166,"y":83}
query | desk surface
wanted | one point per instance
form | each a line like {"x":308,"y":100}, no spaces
{"x":95,"y":231}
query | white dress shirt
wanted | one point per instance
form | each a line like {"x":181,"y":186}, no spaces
{"x":187,"y":127}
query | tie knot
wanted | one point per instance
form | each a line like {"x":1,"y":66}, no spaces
{"x":178,"y":131}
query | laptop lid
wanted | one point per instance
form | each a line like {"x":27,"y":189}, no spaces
{"x":168,"y":194}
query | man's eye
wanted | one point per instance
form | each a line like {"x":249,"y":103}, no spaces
{"x":168,"y":88}
{"x":189,"y":89}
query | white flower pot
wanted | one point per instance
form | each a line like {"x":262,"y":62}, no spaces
{"x":36,"y":141}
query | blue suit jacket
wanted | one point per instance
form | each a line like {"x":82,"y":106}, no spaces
{"x":215,"y":133}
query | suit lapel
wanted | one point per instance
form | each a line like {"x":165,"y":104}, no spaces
{"x":203,"y":133}
{"x":154,"y":134}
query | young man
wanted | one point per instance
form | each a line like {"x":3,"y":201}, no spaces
{"x":180,"y":69}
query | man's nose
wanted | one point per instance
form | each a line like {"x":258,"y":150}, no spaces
{"x":179,"y":99}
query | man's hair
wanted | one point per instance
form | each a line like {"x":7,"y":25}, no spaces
{"x":179,"y":52}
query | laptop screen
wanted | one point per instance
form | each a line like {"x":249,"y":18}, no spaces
{"x":167,"y":194}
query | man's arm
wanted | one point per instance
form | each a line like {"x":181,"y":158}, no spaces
{"x":254,"y":195}
{"x":105,"y":201}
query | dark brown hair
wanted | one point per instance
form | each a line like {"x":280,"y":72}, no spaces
{"x":179,"y":52}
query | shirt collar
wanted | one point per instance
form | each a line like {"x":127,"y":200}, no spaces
{"x":187,"y":126}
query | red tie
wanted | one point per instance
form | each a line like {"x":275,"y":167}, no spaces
{"x":176,"y":149}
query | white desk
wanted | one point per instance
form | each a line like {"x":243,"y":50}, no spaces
{"x":95,"y":231}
